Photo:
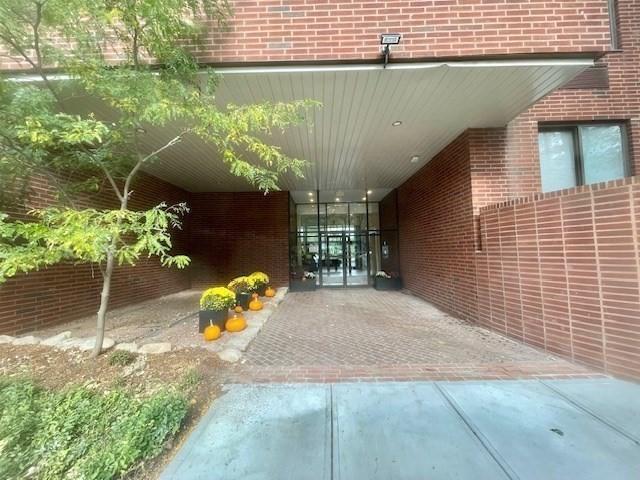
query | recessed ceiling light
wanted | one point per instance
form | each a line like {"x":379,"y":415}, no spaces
{"x":369,"y":192}
{"x":311,"y":194}
{"x":364,"y":198}
{"x":397,"y":123}
{"x":337,"y":199}
{"x":312,"y":200}
{"x":415,"y":159}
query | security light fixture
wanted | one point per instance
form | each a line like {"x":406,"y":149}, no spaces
{"x":390,"y":39}
{"x":386,"y":40}
{"x":415,"y":159}
{"x":397,"y":123}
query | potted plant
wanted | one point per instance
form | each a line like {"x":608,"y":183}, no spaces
{"x":214,"y":307}
{"x":242,"y":287}
{"x":387,"y":281}
{"x":259,"y":282}
{"x":303,"y":282}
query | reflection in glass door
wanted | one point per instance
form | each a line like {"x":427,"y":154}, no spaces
{"x":356,"y":267}
{"x":333,"y":260}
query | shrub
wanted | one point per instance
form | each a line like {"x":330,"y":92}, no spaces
{"x":121,"y":358}
{"x":81,"y":433}
{"x":217,"y":298}
{"x":240,"y":284}
{"x":259,"y":279}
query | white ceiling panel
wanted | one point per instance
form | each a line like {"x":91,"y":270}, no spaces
{"x":350,"y":142}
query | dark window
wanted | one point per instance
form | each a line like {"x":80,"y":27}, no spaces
{"x":572,"y":155}
{"x":613,"y":24}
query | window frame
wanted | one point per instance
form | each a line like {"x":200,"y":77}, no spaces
{"x":578,"y":160}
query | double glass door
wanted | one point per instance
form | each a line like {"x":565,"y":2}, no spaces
{"x":344,"y":259}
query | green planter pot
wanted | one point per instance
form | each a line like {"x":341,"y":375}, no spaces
{"x":381,"y":283}
{"x":212,"y":317}
{"x":297,"y":285}
{"x":243,"y":299}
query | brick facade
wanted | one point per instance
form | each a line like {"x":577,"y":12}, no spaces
{"x":561,"y":271}
{"x":436,"y":231}
{"x":339,"y":30}
{"x":236,"y":234}
{"x":65,"y":292}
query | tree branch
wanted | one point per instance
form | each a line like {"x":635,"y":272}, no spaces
{"x":175,"y":140}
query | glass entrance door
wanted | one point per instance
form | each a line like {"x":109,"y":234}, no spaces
{"x":333,"y":260}
{"x":344,"y":260}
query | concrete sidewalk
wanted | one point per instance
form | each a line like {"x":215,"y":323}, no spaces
{"x":560,"y":429}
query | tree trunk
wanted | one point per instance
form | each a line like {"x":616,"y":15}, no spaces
{"x":104,"y":304}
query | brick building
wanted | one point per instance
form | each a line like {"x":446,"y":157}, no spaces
{"x":490,"y":164}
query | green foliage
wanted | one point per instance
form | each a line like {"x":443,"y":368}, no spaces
{"x":218,"y":299}
{"x":190,"y":380}
{"x":81,"y":433}
{"x":241,"y":284}
{"x":88,"y":236}
{"x":121,"y":358}
{"x":259,"y":280}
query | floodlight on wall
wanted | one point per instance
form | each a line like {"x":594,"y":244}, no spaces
{"x":386,"y":40}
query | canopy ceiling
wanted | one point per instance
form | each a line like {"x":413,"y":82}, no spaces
{"x":350,"y":141}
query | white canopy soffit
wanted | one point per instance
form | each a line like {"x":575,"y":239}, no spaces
{"x":350,"y":142}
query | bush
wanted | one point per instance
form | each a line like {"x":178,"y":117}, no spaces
{"x":121,"y":358}
{"x":217,"y":298}
{"x":79,"y":432}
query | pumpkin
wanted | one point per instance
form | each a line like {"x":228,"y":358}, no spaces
{"x":212,"y":332}
{"x":237,"y":323}
{"x":255,"y":304}
{"x":270,"y":292}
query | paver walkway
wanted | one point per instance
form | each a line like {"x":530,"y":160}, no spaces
{"x":349,"y":335}
{"x":586,"y":429}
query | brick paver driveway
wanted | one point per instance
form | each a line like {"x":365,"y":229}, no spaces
{"x":336,"y":335}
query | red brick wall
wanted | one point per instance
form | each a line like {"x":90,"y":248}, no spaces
{"x":436,"y":231}
{"x":332,"y":30}
{"x":235,"y":234}
{"x":66,"y":292}
{"x":505,"y":162}
{"x":562,"y":272}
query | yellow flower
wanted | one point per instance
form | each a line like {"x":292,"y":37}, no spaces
{"x":217,"y":298}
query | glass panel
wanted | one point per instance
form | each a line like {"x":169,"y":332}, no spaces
{"x":356,"y":262}
{"x":557,"y":160}
{"x":374,"y":217}
{"x":307,"y":217}
{"x":602,"y":153}
{"x":358,"y":217}
{"x":337,"y":217}
{"x":303,"y":254}
{"x":374,"y":254}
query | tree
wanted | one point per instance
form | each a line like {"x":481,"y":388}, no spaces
{"x":155,"y":82}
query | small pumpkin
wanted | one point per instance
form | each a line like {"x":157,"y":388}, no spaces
{"x":237,"y":323}
{"x":212,"y":332}
{"x":238,"y":309}
{"x":255,"y":304}
{"x":270,"y":292}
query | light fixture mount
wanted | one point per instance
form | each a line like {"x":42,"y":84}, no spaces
{"x":386,"y":40}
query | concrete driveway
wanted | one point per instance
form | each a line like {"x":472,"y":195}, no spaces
{"x":528,"y":429}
